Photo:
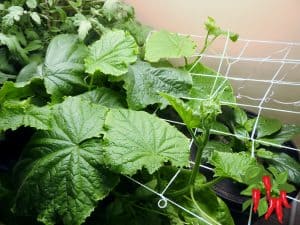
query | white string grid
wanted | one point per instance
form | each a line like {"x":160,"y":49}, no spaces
{"x":224,"y":61}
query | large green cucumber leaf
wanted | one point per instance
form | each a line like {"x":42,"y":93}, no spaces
{"x":139,"y":31}
{"x":63,"y":69}
{"x":137,"y":140}
{"x":163,"y":44}
{"x":14,"y":91}
{"x":14,"y":114}
{"x":103,"y":96}
{"x":60,"y":175}
{"x":144,"y":83}
{"x":16,"y":108}
{"x":212,"y":146}
{"x":112,"y":53}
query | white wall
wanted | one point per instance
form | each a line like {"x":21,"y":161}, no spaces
{"x":252,"y":19}
{"x":255,"y":19}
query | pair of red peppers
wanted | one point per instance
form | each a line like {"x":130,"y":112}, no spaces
{"x":275,"y":203}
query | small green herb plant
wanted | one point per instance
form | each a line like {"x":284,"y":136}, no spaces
{"x":96,"y":94}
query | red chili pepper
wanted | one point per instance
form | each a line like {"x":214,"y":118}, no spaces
{"x":267,"y":182}
{"x":279,"y":212}
{"x":284,"y":199}
{"x":255,"y":198}
{"x":272,"y":206}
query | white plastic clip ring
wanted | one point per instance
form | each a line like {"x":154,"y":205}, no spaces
{"x":162,"y":203}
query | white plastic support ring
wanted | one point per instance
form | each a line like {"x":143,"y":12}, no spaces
{"x":162,"y":203}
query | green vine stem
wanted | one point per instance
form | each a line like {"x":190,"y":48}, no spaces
{"x":157,"y":175}
{"x":212,"y":182}
{"x":91,"y":82}
{"x":207,"y":43}
{"x":202,"y":213}
{"x":200,"y":146}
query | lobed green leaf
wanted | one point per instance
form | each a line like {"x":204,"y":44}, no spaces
{"x":144,"y":83}
{"x":103,"y":96}
{"x":61,"y":177}
{"x":137,"y":140}
{"x":63,"y":69}
{"x":14,"y":114}
{"x":164,"y":44}
{"x":112,"y":53}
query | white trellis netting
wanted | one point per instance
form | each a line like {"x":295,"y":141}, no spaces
{"x":265,"y":78}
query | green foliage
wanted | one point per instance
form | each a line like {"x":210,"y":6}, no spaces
{"x":63,"y":67}
{"x":31,"y":3}
{"x":246,"y":204}
{"x":4,"y":62}
{"x":216,"y":31}
{"x":112,"y":53}
{"x":144,"y":82}
{"x":286,"y":133}
{"x":103,"y":96}
{"x":262,"y":207}
{"x":267,"y":126}
{"x":62,"y":70}
{"x":163,"y":44}
{"x":191,"y":117}
{"x":35,"y":17}
{"x":226,"y":165}
{"x":240,"y":116}
{"x":27,"y":26}
{"x":15,"y":91}
{"x":75,"y":71}
{"x":138,"y":140}
{"x":194,"y":113}
{"x":206,"y":86}
{"x":283,"y":163}
{"x":14,"y":47}
{"x":210,"y":207}
{"x":84,"y":25}
{"x":60,"y":173}
{"x":15,"y":114}
{"x":204,"y":202}
{"x":212,"y":146}
{"x":137,"y":30}
{"x":116,"y":10}
{"x":14,"y":15}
